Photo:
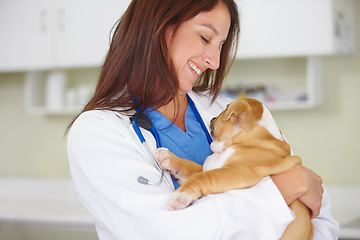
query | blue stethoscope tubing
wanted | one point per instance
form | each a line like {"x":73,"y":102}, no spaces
{"x":141,"y":119}
{"x":146,"y":123}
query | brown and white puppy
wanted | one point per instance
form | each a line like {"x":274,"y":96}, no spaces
{"x":247,"y":146}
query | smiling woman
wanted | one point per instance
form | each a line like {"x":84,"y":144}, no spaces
{"x":167,"y":60}
{"x":193,"y":49}
{"x":197,"y":43}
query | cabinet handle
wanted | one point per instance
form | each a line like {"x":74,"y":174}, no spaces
{"x":42,"y":21}
{"x":61,"y":18}
{"x":343,"y":33}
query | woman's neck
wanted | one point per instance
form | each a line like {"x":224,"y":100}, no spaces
{"x":175,"y":111}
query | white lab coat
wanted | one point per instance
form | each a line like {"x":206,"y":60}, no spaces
{"x":106,"y":158}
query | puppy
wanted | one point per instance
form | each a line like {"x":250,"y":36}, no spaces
{"x":247,"y":146}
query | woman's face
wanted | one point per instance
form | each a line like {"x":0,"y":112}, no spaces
{"x":197,"y":45}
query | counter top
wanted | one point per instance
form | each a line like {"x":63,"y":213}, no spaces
{"x":53,"y":201}
{"x":42,"y":201}
{"x":345,"y":208}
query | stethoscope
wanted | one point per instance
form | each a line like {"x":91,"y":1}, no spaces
{"x":140,"y":119}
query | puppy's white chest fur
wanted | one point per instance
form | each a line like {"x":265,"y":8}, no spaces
{"x":218,"y":158}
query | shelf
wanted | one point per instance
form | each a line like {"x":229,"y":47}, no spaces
{"x":306,"y":98}
{"x":288,"y":106}
{"x":47,"y":93}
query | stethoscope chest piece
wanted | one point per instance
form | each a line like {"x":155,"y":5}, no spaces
{"x":142,"y":120}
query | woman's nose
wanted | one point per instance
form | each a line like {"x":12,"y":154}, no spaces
{"x":212,"y":57}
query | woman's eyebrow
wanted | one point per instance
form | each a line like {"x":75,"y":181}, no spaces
{"x":211,"y":27}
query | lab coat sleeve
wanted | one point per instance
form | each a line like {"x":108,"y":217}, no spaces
{"x":105,"y":163}
{"x":325,"y":227}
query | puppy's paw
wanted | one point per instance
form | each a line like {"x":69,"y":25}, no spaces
{"x":179,"y":200}
{"x":163,"y":156}
{"x":169,"y":162}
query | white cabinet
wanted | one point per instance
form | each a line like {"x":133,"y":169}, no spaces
{"x":83,"y":35}
{"x":25,"y":39}
{"x":45,"y":34}
{"x":280,"y":28}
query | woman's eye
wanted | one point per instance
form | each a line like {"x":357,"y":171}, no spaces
{"x":205,"y":39}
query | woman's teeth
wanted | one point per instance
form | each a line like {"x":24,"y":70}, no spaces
{"x":193,"y":66}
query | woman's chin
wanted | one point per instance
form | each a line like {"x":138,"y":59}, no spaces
{"x":185,"y":91}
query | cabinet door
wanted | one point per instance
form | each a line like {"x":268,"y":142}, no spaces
{"x":83,"y":30}
{"x":26,"y":32}
{"x":285,"y":28}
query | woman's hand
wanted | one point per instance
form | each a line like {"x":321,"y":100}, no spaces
{"x":303,"y":184}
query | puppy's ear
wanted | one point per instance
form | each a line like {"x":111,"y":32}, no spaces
{"x":236,"y":108}
{"x":256,"y":107}
{"x":228,"y":115}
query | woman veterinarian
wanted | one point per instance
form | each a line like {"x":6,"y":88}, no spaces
{"x":171,"y":56}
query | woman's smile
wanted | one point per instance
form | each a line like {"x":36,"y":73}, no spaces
{"x":195,"y":68}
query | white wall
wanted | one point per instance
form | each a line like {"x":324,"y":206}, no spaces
{"x":327,"y":138}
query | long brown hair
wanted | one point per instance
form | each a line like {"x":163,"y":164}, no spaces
{"x":138,"y":67}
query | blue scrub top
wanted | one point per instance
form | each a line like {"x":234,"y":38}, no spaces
{"x":192,"y":144}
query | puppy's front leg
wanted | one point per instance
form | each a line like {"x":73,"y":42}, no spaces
{"x":180,"y":168}
{"x":202,"y":184}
